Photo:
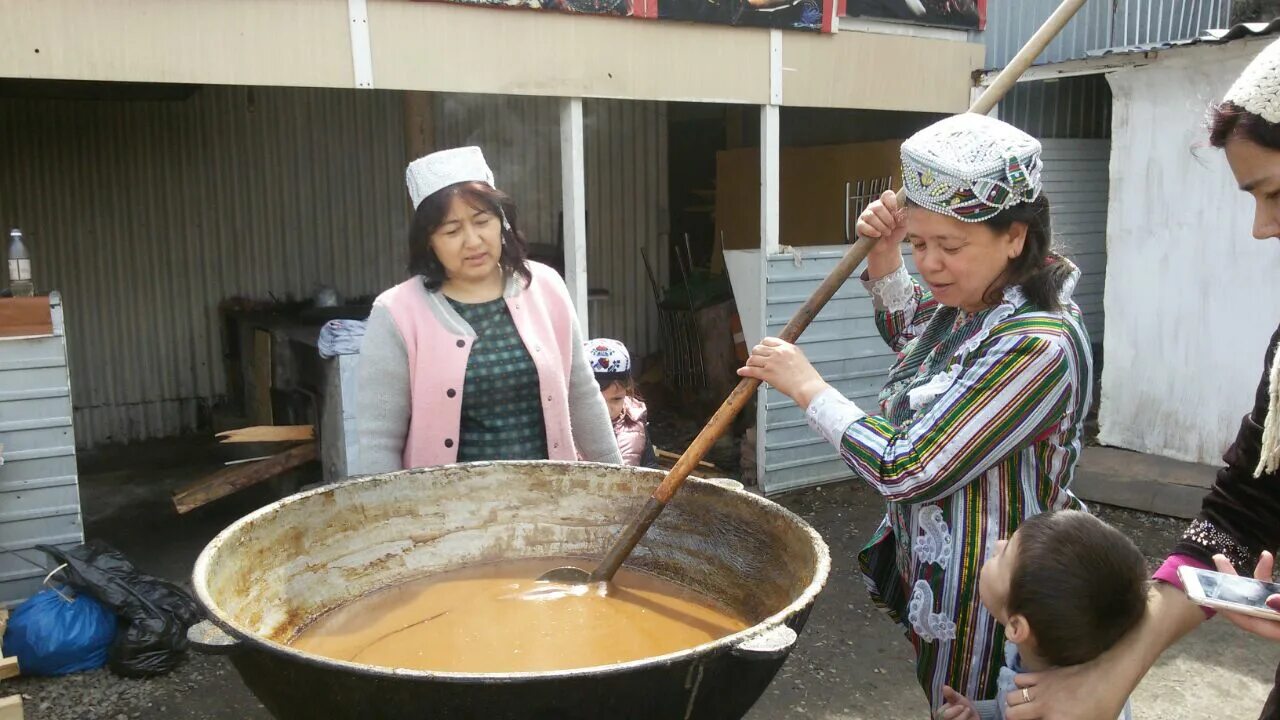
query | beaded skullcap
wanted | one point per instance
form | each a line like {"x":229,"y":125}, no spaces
{"x":1257,"y":90}
{"x":971,"y":167}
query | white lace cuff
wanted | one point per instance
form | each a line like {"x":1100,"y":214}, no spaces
{"x":894,"y":292}
{"x":831,"y":413}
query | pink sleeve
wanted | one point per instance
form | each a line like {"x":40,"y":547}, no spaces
{"x":1168,"y":573}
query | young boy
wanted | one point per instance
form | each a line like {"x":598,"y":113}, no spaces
{"x":1066,"y":587}
{"x":611,"y":364}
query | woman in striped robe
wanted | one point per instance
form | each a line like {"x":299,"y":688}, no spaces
{"x":980,"y":423}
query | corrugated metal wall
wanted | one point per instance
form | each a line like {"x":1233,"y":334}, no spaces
{"x":39,"y":498}
{"x":1099,"y":24}
{"x":146,"y":214}
{"x":626,"y":173}
{"x":1078,"y":107}
{"x":626,"y":158}
{"x":1077,"y":182}
{"x":843,"y":345}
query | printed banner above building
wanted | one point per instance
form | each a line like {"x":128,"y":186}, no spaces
{"x":812,"y":15}
{"x":966,"y":14}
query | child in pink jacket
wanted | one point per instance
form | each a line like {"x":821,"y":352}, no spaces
{"x":612,"y":366}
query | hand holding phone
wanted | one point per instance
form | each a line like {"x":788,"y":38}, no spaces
{"x":1255,"y":625}
{"x":1229,"y":592}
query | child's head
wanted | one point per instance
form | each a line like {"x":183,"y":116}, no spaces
{"x":1068,"y":583}
{"x":611,"y":364}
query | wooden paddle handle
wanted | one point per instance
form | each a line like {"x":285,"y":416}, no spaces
{"x":742,"y":394}
{"x":1035,"y":45}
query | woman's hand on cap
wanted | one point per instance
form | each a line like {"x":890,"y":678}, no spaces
{"x":885,"y":221}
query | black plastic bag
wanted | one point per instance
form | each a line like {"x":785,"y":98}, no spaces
{"x":155,"y":613}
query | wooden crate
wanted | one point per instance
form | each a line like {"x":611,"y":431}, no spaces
{"x":23,"y":316}
{"x":11,"y":706}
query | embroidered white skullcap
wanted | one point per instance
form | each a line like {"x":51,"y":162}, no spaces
{"x":608,"y":357}
{"x":971,"y":167}
{"x":437,"y":171}
{"x":1257,"y":90}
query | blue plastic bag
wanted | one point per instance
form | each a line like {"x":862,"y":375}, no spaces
{"x":53,"y":636}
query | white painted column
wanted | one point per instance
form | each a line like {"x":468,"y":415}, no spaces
{"x":770,"y":154}
{"x":574,"y":201}
{"x":770,"y":177}
{"x":361,"y":48}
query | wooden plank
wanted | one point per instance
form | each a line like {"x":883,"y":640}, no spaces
{"x":238,"y":477}
{"x":1142,"y":482}
{"x":664,"y":456}
{"x":268,"y":433}
{"x":11,"y":708}
{"x":9,"y":668}
{"x":21,"y":316}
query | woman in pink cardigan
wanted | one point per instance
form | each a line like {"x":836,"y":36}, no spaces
{"x":478,"y":356}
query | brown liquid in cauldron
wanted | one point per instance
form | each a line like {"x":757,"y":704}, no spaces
{"x":496,"y":618}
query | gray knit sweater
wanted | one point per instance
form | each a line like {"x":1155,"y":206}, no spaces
{"x":383,"y":394}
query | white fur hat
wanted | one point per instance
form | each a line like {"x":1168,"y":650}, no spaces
{"x":1257,"y":90}
{"x":437,"y":171}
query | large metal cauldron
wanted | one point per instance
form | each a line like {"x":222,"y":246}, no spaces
{"x":266,"y":576}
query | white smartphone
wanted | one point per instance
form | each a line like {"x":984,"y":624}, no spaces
{"x":1229,"y":592}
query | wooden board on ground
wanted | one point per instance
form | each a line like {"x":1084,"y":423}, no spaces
{"x":8,"y":665}
{"x":668,"y":460}
{"x":22,"y":316}
{"x":1142,"y":482}
{"x":238,"y":477}
{"x":268,"y":433}
{"x":11,"y":708}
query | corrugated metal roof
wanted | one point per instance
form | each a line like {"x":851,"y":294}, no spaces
{"x":1210,"y":37}
{"x":1099,"y":24}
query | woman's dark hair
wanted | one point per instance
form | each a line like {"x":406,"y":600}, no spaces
{"x":1039,"y":270}
{"x":431,"y":214}
{"x":1228,"y":120}
{"x":1080,"y":583}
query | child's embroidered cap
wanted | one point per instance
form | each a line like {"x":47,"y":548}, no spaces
{"x":609,"y":359}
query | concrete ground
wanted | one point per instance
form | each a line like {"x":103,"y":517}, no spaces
{"x":851,"y":663}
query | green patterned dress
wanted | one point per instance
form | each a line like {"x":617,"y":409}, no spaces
{"x":501,"y":409}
